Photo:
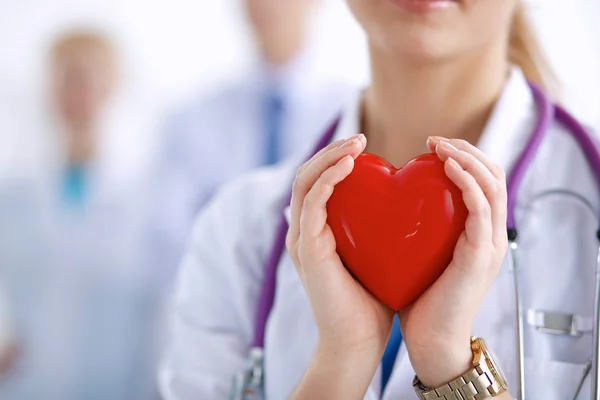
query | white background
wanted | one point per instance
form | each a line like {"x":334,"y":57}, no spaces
{"x":176,"y":48}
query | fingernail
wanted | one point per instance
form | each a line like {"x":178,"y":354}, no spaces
{"x":436,"y":139}
{"x":362,"y":138}
{"x":447,"y":146}
{"x":452,"y":162}
{"x":350,"y":142}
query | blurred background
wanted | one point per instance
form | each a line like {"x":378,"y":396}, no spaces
{"x":111,"y":122}
{"x":179,"y":48}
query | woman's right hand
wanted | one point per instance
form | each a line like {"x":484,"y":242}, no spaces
{"x":353,"y":326}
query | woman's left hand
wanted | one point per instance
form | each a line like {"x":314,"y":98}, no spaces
{"x":437,"y":326}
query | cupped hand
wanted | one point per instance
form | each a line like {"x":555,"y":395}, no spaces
{"x":353,"y":326}
{"x":438,"y":325}
{"x":347,"y":315}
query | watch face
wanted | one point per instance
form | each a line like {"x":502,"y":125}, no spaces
{"x":495,"y":364}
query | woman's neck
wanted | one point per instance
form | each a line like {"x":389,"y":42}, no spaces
{"x":409,"y":101}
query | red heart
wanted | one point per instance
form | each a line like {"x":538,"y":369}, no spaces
{"x":396,"y":229}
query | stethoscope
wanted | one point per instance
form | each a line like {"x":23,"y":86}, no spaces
{"x":556,"y":323}
{"x":248,"y":385}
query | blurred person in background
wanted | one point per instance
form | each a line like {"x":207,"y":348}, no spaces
{"x":83,"y":306}
{"x":260,"y":119}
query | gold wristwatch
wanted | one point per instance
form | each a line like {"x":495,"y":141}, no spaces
{"x":484,"y":381}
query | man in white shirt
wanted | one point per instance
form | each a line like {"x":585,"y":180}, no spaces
{"x":278,"y":108}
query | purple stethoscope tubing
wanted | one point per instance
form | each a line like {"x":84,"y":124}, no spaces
{"x":547,"y":113}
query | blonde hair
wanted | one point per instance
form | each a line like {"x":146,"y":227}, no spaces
{"x":526,"y":52}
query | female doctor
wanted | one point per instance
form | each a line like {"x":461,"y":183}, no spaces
{"x":451,"y":74}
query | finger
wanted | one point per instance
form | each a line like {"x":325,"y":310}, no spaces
{"x":490,"y":185}
{"x":314,"y":208}
{"x":478,"y":227}
{"x":333,"y":145}
{"x":493,"y":188}
{"x":432,"y":142}
{"x":307,"y":178}
{"x":299,"y":190}
{"x":352,"y":147}
{"x":293,"y":229}
{"x":463,"y":145}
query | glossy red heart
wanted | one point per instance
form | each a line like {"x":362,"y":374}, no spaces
{"x":396,"y":229}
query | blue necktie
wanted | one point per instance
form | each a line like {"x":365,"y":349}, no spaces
{"x":273,"y":121}
{"x":74,"y":185}
{"x":391,"y":351}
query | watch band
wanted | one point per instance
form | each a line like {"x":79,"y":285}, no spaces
{"x":478,"y":383}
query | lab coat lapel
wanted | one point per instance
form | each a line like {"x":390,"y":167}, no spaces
{"x":511,"y":123}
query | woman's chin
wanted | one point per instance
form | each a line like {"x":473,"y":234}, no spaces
{"x":420,"y":45}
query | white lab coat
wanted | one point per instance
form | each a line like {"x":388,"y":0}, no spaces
{"x":221,"y":276}
{"x":220,"y":136}
{"x":83,"y":302}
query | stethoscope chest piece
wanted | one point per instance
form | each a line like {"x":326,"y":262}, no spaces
{"x":248,"y":384}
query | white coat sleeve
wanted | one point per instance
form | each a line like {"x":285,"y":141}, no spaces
{"x":215,"y":302}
